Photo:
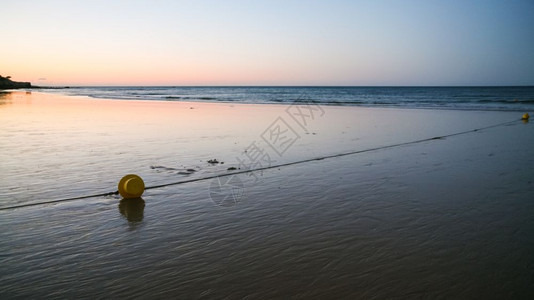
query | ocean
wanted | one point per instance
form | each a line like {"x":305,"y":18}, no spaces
{"x":520,"y":98}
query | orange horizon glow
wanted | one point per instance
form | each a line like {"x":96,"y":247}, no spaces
{"x":264,"y":43}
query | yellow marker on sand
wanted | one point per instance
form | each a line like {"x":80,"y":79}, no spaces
{"x":131,"y":186}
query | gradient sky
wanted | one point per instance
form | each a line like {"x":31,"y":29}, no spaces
{"x":268,"y":42}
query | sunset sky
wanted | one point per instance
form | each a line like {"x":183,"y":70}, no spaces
{"x":268,"y":42}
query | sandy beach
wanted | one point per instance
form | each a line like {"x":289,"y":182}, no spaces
{"x":443,"y":218}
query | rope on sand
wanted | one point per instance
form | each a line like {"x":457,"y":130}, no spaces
{"x":266,"y":168}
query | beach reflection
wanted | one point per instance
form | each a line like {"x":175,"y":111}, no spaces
{"x":382,"y":219}
{"x":5,"y":98}
{"x":61,"y":136}
{"x":132,"y":209}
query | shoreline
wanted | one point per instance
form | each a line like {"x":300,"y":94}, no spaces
{"x":512,"y":100}
{"x":281,"y":105}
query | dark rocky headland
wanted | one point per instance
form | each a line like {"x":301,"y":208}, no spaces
{"x":6,"y":84}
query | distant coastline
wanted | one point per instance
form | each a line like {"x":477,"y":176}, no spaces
{"x":6,"y":84}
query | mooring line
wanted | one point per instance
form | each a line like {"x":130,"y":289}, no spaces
{"x":267,"y":167}
{"x":60,"y":200}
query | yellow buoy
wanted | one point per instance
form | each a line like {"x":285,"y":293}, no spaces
{"x":131,"y":186}
{"x":525,"y":117}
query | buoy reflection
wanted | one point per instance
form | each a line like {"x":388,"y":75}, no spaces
{"x":132,"y":209}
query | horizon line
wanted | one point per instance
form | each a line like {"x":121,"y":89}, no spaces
{"x":273,"y":86}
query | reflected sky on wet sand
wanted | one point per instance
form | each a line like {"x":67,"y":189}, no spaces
{"x":449,"y":218}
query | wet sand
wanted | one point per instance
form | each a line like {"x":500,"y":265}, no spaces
{"x":445,"y":218}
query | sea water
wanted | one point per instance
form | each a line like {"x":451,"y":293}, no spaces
{"x":474,"y":98}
